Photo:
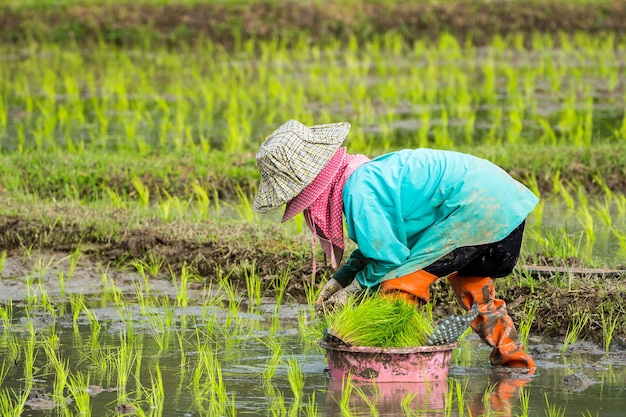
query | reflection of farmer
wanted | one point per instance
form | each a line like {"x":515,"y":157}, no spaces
{"x":416,"y":215}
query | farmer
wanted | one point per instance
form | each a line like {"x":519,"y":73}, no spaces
{"x":415,"y":215}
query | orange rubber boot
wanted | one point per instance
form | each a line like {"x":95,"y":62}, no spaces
{"x":413,"y":287}
{"x":493,"y":324}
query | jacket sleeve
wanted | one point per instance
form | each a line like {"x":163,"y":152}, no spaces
{"x":381,"y":239}
{"x":355,"y":264}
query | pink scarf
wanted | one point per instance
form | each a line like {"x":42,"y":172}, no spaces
{"x":324,"y":215}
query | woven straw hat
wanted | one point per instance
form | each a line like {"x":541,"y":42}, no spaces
{"x":291,"y":157}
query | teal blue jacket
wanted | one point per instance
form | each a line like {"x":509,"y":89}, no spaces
{"x":407,"y":209}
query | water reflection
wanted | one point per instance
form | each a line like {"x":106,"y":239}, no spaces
{"x":386,"y":398}
{"x":580,"y":380}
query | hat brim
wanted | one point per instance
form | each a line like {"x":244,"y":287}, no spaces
{"x":311,"y":192}
{"x":331,"y":136}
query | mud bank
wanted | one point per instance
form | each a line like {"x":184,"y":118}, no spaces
{"x":228,"y":23}
{"x":212,"y":250}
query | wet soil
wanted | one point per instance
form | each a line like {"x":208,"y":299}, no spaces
{"x":212,"y":249}
{"x":228,"y":23}
{"x":36,"y":246}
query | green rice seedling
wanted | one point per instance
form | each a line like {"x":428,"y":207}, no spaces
{"x":202,"y":199}
{"x":562,"y":190}
{"x":13,"y":404}
{"x":3,"y":258}
{"x":148,"y":268}
{"x":609,"y":320}
{"x":44,"y":300}
{"x":232,"y":295}
{"x":27,"y":252}
{"x":4,"y":371}
{"x":587,"y":223}
{"x":552,"y":410}
{"x":449,"y":403}
{"x":369,"y":398}
{"x":173,"y":207}
{"x":61,"y":281}
{"x":181,"y":347}
{"x":271,"y":365}
{"x":459,"y":391}
{"x":127,"y":356}
{"x":143,"y":192}
{"x":279,"y":284}
{"x":76,"y":306}
{"x":216,"y":202}
{"x":253,"y":284}
{"x":127,"y":317}
{"x":111,"y":293}
{"x":181,"y":283}
{"x":41,"y":266}
{"x":74,"y":259}
{"x":156,"y":398}
{"x":114,"y":198}
{"x":295,"y":376}
{"x":525,"y":324}
{"x":277,"y":406}
{"x":306,"y":329}
{"x":311,"y":409}
{"x":140,"y":296}
{"x":524,"y":403}
{"x":6,"y":316}
{"x":487,"y":393}
{"x":60,"y":369}
{"x":575,"y":328}
{"x":311,"y":292}
{"x":161,"y":323}
{"x":169,"y":313}
{"x":621,"y":238}
{"x":405,"y":404}
{"x":390,"y":323}
{"x":347,"y":388}
{"x":244,"y":206}
{"x":602,"y":210}
{"x":78,"y":387}
{"x":29,"y":353}
{"x":560,"y":244}
{"x":210,"y":395}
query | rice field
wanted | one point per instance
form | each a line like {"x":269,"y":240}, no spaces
{"x":167,"y":349}
{"x":166,"y":136}
{"x":79,"y":118}
{"x":204,"y":98}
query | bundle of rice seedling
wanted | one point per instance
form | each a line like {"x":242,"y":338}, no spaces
{"x":380,"y":322}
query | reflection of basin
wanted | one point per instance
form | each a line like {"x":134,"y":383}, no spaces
{"x":414,"y":364}
{"x":390,"y":398}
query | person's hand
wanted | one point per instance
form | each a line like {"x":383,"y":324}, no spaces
{"x":330,"y":288}
{"x":340,"y":298}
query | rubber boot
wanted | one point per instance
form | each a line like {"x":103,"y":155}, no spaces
{"x":413,"y":287}
{"x":493,"y":324}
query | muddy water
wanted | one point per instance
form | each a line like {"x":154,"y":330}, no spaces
{"x":582,"y":380}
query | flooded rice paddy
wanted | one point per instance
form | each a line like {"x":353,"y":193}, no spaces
{"x":117,"y":345}
{"x":106,"y":342}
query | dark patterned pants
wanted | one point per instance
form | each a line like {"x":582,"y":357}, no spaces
{"x":493,"y":260}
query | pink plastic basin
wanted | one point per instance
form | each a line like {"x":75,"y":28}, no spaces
{"x":415,"y":364}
